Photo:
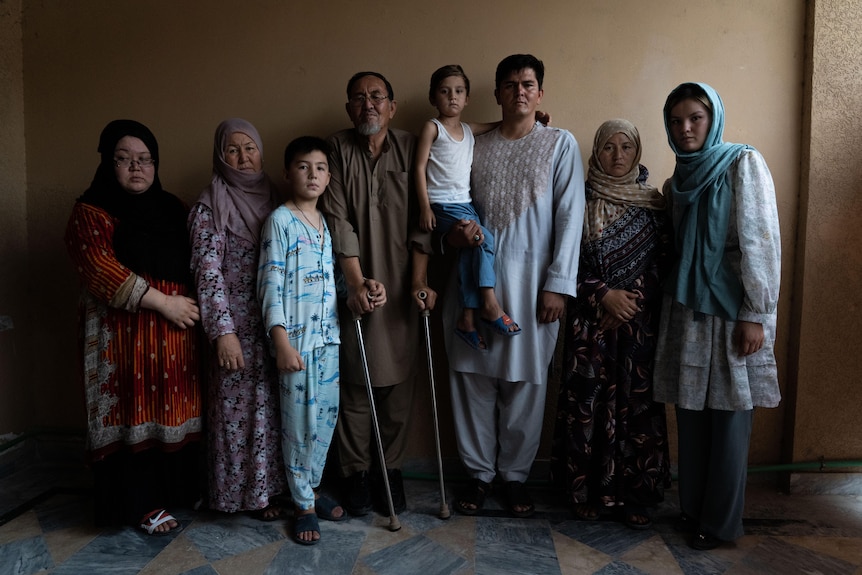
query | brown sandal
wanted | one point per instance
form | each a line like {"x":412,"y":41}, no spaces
{"x":474,"y":494}
{"x":518,"y":496}
{"x":272,"y":512}
{"x":587,"y":511}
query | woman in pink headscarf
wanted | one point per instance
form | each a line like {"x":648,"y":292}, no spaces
{"x":245,"y":466}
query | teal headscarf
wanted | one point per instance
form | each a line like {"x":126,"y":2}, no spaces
{"x":702,"y":278}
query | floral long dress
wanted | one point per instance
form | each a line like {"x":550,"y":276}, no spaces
{"x":245,"y":463}
{"x":611,"y":437}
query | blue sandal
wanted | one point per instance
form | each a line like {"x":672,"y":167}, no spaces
{"x":325,"y":506}
{"x":306,"y":522}
{"x":473,"y":339}
{"x":502,"y":324}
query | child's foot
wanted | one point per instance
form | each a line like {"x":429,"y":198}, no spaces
{"x":493,"y":316}
{"x":307,"y":529}
{"x":465,"y":328}
{"x":473,"y":339}
{"x":503,"y":325}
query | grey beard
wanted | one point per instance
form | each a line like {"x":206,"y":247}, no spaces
{"x":368,"y":129}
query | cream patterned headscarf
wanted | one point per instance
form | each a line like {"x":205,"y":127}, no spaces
{"x":609,"y":196}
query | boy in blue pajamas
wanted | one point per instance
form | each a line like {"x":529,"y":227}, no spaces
{"x":296,"y":288}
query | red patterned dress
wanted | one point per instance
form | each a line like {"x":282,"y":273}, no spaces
{"x":140,"y":372}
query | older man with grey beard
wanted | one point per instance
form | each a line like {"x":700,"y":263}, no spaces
{"x":373,"y":218}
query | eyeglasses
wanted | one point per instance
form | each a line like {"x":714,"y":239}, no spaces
{"x":143,"y":162}
{"x":375,"y":98}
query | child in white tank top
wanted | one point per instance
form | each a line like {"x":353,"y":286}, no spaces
{"x":444,"y":156}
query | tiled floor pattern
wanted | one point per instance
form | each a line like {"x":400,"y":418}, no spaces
{"x":810,"y":534}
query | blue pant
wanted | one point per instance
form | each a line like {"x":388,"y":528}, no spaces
{"x":475,"y":265}
{"x":309,"y":410}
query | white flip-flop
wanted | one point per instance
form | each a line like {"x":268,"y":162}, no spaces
{"x":159,"y":517}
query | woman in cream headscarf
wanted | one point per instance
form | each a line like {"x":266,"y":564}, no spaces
{"x":245,"y":464}
{"x":611,"y":436}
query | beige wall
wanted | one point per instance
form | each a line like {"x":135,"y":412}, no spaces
{"x":824,"y":413}
{"x":181,"y":67}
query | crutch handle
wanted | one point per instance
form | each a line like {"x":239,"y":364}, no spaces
{"x":423,"y":295}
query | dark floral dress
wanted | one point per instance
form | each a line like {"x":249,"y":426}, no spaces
{"x":611,"y":437}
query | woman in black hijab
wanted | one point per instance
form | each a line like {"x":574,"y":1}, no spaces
{"x":128,"y":240}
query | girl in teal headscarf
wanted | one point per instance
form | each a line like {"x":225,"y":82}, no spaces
{"x":715,"y":357}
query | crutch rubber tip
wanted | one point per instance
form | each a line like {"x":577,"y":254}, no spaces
{"x":394,"y":524}
{"x":444,"y":512}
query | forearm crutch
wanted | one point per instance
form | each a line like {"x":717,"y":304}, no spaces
{"x":394,"y":524}
{"x":444,"y":507}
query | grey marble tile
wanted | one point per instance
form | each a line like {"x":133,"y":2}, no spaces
{"x":423,"y":498}
{"x":609,"y":537}
{"x":96,"y":564}
{"x":502,"y":558}
{"x":503,"y":545}
{"x":115,"y":552}
{"x":694,"y":562}
{"x":418,"y":555}
{"x":128,"y":541}
{"x":24,"y":557}
{"x":776,"y":556}
{"x":511,"y":530}
{"x":336,"y":553}
{"x":231,"y":535}
{"x":204,"y":570}
{"x":422,"y":520}
{"x":619,"y":568}
{"x":506,"y":546}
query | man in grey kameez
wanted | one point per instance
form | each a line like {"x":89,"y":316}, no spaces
{"x":528,"y":187}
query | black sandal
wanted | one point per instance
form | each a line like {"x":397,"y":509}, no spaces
{"x":474,"y":494}
{"x":325,"y":506}
{"x":518,"y":496}
{"x":685,"y":524}
{"x":272,"y":512}
{"x":305,"y":523}
{"x":703,"y":541}
{"x":632,"y":511}
{"x":587,"y":511}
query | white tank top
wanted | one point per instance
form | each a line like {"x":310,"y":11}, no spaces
{"x":449,"y":163}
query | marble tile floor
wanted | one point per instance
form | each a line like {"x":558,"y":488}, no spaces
{"x":53,"y":533}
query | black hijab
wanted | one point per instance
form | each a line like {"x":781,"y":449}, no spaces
{"x":151,"y":237}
